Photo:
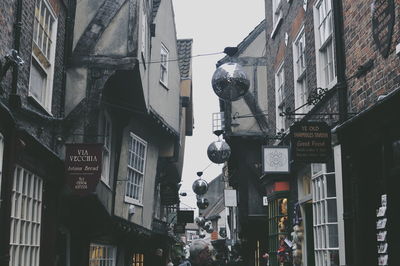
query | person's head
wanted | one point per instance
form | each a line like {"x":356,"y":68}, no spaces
{"x":199,"y":252}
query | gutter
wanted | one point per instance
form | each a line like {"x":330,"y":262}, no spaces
{"x":15,"y":100}
{"x":340,"y":60}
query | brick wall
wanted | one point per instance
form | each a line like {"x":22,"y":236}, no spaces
{"x":294,"y":16}
{"x":360,"y":47}
{"x":40,"y":128}
{"x":7,"y":19}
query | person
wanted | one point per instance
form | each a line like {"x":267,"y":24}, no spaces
{"x":200,"y":254}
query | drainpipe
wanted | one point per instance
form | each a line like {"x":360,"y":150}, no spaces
{"x":15,"y":100}
{"x":340,"y":60}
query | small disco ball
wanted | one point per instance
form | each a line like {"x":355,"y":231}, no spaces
{"x":230,"y":82}
{"x":218,"y":151}
{"x":210,"y":230}
{"x":200,"y":221}
{"x":200,"y":186}
{"x":202,"y":203}
{"x":207,"y":225}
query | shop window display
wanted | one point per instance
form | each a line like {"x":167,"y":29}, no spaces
{"x":278,"y":231}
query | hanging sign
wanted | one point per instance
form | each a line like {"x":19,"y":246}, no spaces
{"x":83,"y":167}
{"x":185,"y":216}
{"x":275,"y":159}
{"x":230,"y":198}
{"x":169,"y":193}
{"x":311,"y":142}
{"x":179,"y":228}
{"x":383,"y":17}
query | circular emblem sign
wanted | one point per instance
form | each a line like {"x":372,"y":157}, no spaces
{"x":382,"y":24}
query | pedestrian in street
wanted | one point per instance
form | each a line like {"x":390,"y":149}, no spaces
{"x":200,"y":254}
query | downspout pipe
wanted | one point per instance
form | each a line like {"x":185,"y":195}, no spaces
{"x":15,"y":100}
{"x":340,"y":59}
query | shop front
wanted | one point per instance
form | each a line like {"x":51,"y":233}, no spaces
{"x":369,"y":145}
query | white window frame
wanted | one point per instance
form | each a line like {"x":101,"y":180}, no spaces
{"x":26,"y":216}
{"x":137,"y":152}
{"x":322,"y":221}
{"x":144,"y":31}
{"x":1,"y":160}
{"x":277,"y":16}
{"x":100,"y":254}
{"x":279,"y":96}
{"x":164,"y":57}
{"x":107,"y":148}
{"x":324,"y":44}
{"x":43,"y":56}
{"x":299,"y":69}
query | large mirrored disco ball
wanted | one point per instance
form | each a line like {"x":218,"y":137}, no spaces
{"x":218,"y":151}
{"x":230,"y":82}
{"x":202,"y":203}
{"x":200,"y":186}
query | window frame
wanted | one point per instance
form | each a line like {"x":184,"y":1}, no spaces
{"x":277,"y":16}
{"x":300,"y":72}
{"x":43,"y":61}
{"x":164,"y":57}
{"x":280,"y":97}
{"x":132,"y":168}
{"x":25,"y":218}
{"x":325,"y":48}
{"x":106,"y":260}
{"x":107,"y":149}
{"x":144,"y":33}
{"x":321,"y":218}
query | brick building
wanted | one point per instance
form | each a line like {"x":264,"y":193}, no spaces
{"x":347,"y":50}
{"x":31,"y":99}
{"x":367,"y":145}
{"x":88,"y":73}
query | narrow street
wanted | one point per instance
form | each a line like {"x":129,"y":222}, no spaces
{"x":199,"y":133}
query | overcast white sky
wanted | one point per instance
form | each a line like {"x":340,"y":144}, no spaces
{"x":213,"y":25}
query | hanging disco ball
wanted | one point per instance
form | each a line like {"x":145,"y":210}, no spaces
{"x":200,"y":186}
{"x":230,"y":82}
{"x":218,"y":151}
{"x":210,"y":229}
{"x":202,"y":203}
{"x":200,"y":221}
{"x":207,"y":225}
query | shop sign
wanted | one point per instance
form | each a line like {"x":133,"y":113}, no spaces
{"x":169,"y":194}
{"x":185,"y":217}
{"x":383,"y":17}
{"x":179,"y":228}
{"x":230,"y":198}
{"x":310,"y":142}
{"x":214,"y":235}
{"x":275,"y":159}
{"x":83,"y":167}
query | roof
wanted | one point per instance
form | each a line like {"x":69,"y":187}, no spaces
{"x":248,"y":40}
{"x":185,"y":57}
{"x":156,"y":5}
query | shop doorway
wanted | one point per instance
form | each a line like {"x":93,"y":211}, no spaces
{"x":309,"y":232}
